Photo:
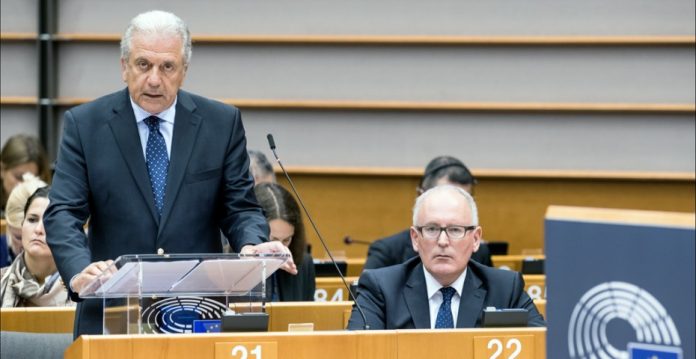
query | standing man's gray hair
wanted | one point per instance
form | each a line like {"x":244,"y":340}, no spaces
{"x":157,"y":22}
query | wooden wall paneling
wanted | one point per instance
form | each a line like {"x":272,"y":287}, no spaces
{"x":512,"y":209}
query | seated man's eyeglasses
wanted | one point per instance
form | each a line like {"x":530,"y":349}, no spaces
{"x":453,"y":232}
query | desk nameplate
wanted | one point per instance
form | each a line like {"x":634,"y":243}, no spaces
{"x":246,"y":350}
{"x":504,"y":347}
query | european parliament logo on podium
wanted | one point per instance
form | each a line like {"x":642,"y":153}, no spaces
{"x":620,"y":283}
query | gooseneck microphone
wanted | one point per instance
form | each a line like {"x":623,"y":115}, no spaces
{"x":348,"y":240}
{"x":272,"y":145}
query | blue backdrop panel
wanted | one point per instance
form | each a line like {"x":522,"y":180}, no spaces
{"x":611,"y":286}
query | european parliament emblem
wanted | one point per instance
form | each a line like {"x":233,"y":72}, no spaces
{"x":179,"y":314}
{"x":619,"y":288}
{"x":649,"y":351}
{"x":621,"y":301}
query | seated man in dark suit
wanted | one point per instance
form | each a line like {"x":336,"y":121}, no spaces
{"x":397,"y":248}
{"x":441,"y":288}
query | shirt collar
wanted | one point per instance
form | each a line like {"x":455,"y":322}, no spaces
{"x":166,"y":115}
{"x":434,"y":286}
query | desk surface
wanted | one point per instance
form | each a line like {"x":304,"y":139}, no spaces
{"x":388,"y":344}
{"x":324,"y":316}
{"x":38,"y":319}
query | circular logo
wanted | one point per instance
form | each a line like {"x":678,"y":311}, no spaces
{"x":587,"y":331}
{"x":176,"y":314}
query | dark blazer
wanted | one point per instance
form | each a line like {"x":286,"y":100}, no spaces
{"x":396,"y":297}
{"x":397,"y":249}
{"x":101,"y":174}
{"x":300,"y":287}
{"x":4,"y":252}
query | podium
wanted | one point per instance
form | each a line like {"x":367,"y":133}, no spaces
{"x":179,"y":293}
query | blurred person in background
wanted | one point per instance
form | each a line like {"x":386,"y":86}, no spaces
{"x":260,"y":168}
{"x":14,"y":213}
{"x":21,"y":154}
{"x":285,"y":221}
{"x":397,"y":248}
{"x":32,"y":279}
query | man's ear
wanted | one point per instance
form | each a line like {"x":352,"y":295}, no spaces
{"x":184,"y":74}
{"x":478,"y":234}
{"x":414,"y":238}
{"x":124,"y":69}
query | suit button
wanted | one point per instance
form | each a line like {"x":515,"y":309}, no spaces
{"x":160,"y":251}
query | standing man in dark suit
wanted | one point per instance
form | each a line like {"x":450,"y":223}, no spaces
{"x":397,"y":248}
{"x":441,"y":288}
{"x":155,"y":169}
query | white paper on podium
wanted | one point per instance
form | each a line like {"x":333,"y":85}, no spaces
{"x":229,"y":276}
{"x":157,"y":277}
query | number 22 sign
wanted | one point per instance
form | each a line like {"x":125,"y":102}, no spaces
{"x":504,"y":347}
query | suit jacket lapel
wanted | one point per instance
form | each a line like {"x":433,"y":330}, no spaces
{"x":186,"y":126}
{"x":125,"y":131}
{"x":416,"y":297}
{"x":471,"y":303}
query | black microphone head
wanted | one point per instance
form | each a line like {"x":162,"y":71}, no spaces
{"x":271,"y":143}
{"x":347,"y":240}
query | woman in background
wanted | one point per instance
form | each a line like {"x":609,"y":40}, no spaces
{"x":284,"y":219}
{"x":14,"y":214}
{"x":21,"y":154}
{"x":32,"y":279}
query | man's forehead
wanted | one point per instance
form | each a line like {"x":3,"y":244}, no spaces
{"x":157,"y":44}
{"x":438,"y":207}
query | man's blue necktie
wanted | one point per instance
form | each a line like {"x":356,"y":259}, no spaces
{"x":444,"y":314}
{"x":157,"y":161}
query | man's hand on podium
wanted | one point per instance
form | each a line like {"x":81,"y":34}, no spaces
{"x":272,"y":247}
{"x":78,"y":282}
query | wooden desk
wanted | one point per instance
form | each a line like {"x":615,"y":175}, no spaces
{"x":355,"y":266}
{"x":331,"y":289}
{"x":535,"y":285}
{"x":513,"y":261}
{"x":541,"y":306}
{"x":388,"y":344}
{"x":472,"y":343}
{"x":38,"y":320}
{"x":324,"y":316}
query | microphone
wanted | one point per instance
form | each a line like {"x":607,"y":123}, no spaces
{"x":348,"y":240}
{"x":271,"y":144}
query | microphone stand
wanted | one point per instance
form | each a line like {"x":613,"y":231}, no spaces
{"x":271,"y":144}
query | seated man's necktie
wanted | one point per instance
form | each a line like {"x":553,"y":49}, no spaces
{"x":444,"y":314}
{"x":157,"y":161}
